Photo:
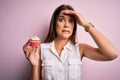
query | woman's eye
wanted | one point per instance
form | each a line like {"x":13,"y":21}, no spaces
{"x":61,"y":19}
{"x":71,"y":20}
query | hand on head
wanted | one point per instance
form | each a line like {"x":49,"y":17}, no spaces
{"x":80,"y":19}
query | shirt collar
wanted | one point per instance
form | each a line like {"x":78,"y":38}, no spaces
{"x":68,"y":46}
{"x":52,"y":48}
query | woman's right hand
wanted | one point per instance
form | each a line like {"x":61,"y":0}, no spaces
{"x":32,"y":54}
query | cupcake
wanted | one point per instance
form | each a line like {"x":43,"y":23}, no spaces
{"x":34,"y":41}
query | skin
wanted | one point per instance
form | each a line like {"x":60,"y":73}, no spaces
{"x":64,"y":28}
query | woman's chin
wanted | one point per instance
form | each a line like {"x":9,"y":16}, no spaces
{"x":65,"y":37}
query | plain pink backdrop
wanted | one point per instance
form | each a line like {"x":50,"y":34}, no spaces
{"x":21,"y":19}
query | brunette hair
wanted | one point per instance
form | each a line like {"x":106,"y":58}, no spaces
{"x":52,"y":30}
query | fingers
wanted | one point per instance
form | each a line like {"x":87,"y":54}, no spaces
{"x":70,"y":12}
{"x":80,"y":19}
{"x":26,"y":46}
{"x":36,"y":50}
{"x":27,"y":53}
{"x":73,"y":13}
{"x":27,"y":49}
{"x":31,"y":50}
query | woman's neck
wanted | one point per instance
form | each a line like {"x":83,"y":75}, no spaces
{"x":59,"y":44}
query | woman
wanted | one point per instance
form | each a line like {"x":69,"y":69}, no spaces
{"x":59,"y":57}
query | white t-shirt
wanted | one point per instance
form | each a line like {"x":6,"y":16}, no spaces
{"x":67,"y":66}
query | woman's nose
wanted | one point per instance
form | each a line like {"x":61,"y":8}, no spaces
{"x":66,"y":24}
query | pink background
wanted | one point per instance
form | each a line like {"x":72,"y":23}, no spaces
{"x":21,"y":19}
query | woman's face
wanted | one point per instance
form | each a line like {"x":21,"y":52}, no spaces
{"x":64,"y":25}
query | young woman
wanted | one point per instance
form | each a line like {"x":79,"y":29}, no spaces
{"x":59,"y":57}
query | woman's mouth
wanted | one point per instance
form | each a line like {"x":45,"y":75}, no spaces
{"x":65,"y":31}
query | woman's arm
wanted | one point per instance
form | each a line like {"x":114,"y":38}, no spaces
{"x":36,"y":67}
{"x":35,"y":73}
{"x":105,"y":50}
{"x":33,"y":56}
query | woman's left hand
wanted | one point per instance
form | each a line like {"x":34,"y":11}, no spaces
{"x":80,"y":19}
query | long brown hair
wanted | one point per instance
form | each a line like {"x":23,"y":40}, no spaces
{"x":52,"y":30}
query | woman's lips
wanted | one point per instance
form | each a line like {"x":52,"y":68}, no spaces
{"x":65,"y":31}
